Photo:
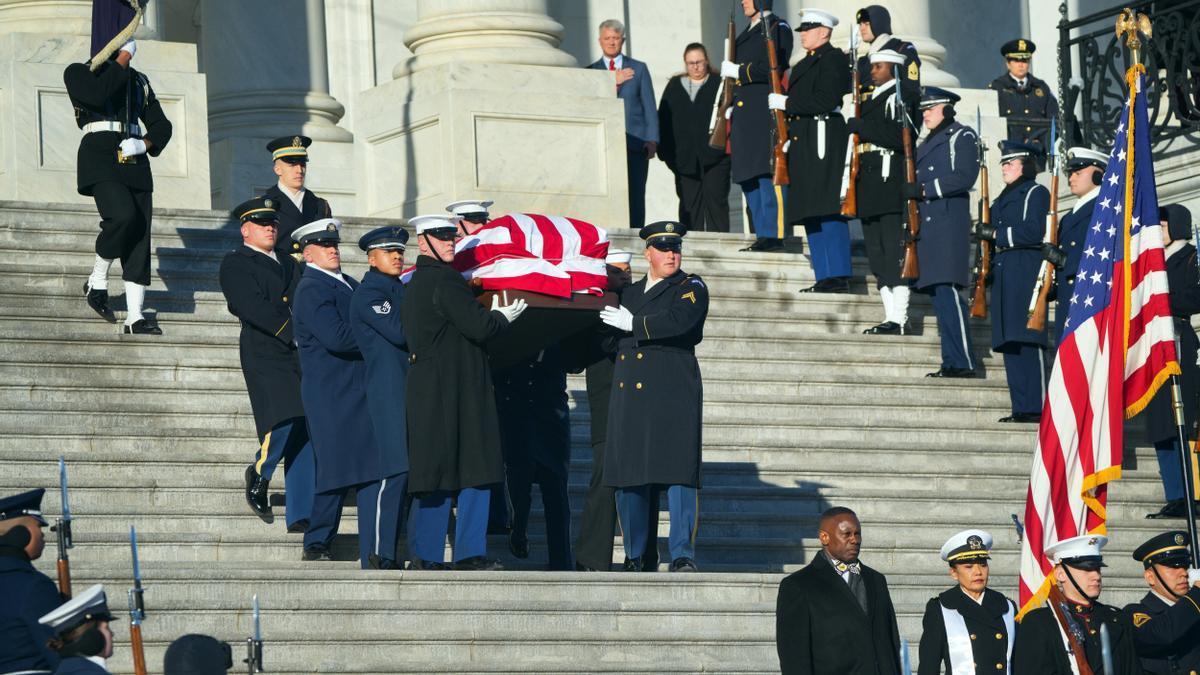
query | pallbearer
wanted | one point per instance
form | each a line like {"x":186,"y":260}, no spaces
{"x":1085,"y":169}
{"x":1166,"y":622}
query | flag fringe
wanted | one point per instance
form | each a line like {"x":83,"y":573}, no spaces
{"x":1172,"y":368}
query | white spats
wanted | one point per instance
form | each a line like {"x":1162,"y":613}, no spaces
{"x":900,"y":295}
{"x":98,"y":280}
{"x":135,"y":295}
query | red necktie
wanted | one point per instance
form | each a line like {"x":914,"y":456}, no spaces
{"x":612,"y":64}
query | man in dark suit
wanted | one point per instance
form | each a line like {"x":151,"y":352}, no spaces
{"x":259,"y":285}
{"x":1166,"y":623}
{"x":641,"y":119}
{"x":1085,"y":170}
{"x":28,"y":594}
{"x":296,"y":204}
{"x":835,"y":616}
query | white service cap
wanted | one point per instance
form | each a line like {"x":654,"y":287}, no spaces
{"x":466,"y":206}
{"x":435,"y":221}
{"x":887,"y":56}
{"x":818,"y":16}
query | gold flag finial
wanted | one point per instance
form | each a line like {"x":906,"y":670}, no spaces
{"x":1129,"y":25}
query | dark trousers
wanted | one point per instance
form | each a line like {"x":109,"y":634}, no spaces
{"x":124,"y":228}
{"x":1025,"y":366}
{"x":380,"y":505}
{"x":951,"y":312}
{"x":555,"y":505}
{"x":704,"y":199}
{"x":638,"y":167}
{"x":765,"y":202}
{"x":828,"y":246}
{"x":884,"y":237}
{"x":288,"y":442}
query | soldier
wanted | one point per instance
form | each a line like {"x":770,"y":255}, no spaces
{"x":969,"y":628}
{"x":334,"y":392}
{"x":259,"y":285}
{"x":654,"y":420}
{"x":1085,"y":169}
{"x":752,"y":128}
{"x":1166,"y":623}
{"x":295,"y":204}
{"x":1046,"y":647}
{"x":472,"y":213}
{"x":836,"y":616}
{"x":947,"y":167}
{"x":1019,"y":229}
{"x":82,"y":637}
{"x":880,"y":180}
{"x":1026,"y":102}
{"x":817,"y":150}
{"x":28,"y":594}
{"x":122,"y":122}
{"x":453,"y":430}
{"x":379,"y":334}
{"x":875,"y":28}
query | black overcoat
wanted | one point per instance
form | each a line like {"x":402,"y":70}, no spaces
{"x":880,"y":127}
{"x":947,"y":167}
{"x":259,"y":292}
{"x":1019,"y":216}
{"x":290,"y":217}
{"x":1028,"y":111}
{"x":531,"y":398}
{"x":1184,"y":296}
{"x":28,"y":595}
{"x":657,"y":403}
{"x":116,"y":94}
{"x":1040,"y":647}
{"x":817,"y":131}
{"x":821,"y":630}
{"x":453,"y":428}
{"x":683,"y":127}
{"x":379,"y":333}
{"x":984,"y":621}
{"x":752,"y":124}
{"x":1167,"y":638}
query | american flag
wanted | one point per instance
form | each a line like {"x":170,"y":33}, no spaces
{"x":1117,"y":351}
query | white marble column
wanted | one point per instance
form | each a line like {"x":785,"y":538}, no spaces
{"x":62,"y":17}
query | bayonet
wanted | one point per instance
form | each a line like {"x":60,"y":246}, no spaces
{"x":1106,"y":656}
{"x":137,"y":609}
{"x":254,"y":644}
{"x":62,"y":526}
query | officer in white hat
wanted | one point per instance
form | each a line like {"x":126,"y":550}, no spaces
{"x":472,"y":214}
{"x":970,"y":626}
{"x":81,"y":633}
{"x":1084,"y":169}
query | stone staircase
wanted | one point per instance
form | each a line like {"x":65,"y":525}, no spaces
{"x":802,"y":412}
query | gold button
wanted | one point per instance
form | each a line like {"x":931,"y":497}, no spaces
{"x":639,"y":385}
{"x":1092,"y":632}
{"x":739,"y":104}
{"x":622,"y":357}
{"x":639,"y":355}
{"x":973,"y":636}
{"x":1028,"y":128}
{"x":999,"y":666}
{"x":620,"y":385}
{"x":999,"y":636}
{"x":285,"y":298}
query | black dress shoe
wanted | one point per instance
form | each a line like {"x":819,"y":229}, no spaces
{"x":256,"y":495}
{"x":478,"y":563}
{"x":379,"y":563}
{"x":518,"y":546}
{"x":1172,"y":509}
{"x":763,"y":244}
{"x":580,"y":567}
{"x":298,"y":527}
{"x":829,"y":285}
{"x":142,"y":327}
{"x":98,"y":301}
{"x":959,"y":373}
{"x":1022,"y":418}
{"x":885,"y":328}
{"x":427,"y":565}
{"x":632,"y":565}
{"x":318,"y":554}
{"x":684,"y":564}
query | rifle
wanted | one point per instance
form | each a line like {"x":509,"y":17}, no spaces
{"x":254,"y":644}
{"x":1056,"y":601}
{"x":778,"y":158}
{"x":718,"y":126}
{"x":911,"y":268}
{"x":850,"y":198}
{"x":137,"y":609}
{"x":983,"y":267}
{"x":63,"y":527}
{"x":1040,"y":301}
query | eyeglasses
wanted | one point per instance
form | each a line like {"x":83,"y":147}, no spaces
{"x":691,"y":64}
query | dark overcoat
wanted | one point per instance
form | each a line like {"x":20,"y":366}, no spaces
{"x":115,"y":94}
{"x":947,"y":167}
{"x":1028,"y":111}
{"x":334,"y":388}
{"x":1040,"y":648}
{"x":379,"y":333}
{"x":752,"y":126}
{"x":453,"y":428}
{"x":880,"y":127}
{"x":1184,"y":296}
{"x":290,"y":217}
{"x":683,"y":126}
{"x":260,"y":292}
{"x":1167,"y":637}
{"x":1072,"y":234}
{"x":989,"y":635}
{"x":820,"y":629}
{"x":28,"y":595}
{"x":817,"y":131}
{"x":1019,"y":216}
{"x":531,"y":398}
{"x":657,"y":404}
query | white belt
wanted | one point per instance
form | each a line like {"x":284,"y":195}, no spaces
{"x":109,"y":125}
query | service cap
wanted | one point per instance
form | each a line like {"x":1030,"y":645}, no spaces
{"x":257,"y":210}
{"x":1169,"y":549}
{"x":1082,"y":552}
{"x":291,"y":149}
{"x":887,"y":56}
{"x":813,"y":18}
{"x":86,"y":606}
{"x":436,"y":225}
{"x":1080,"y":157}
{"x":967,"y":546}
{"x":323,"y":231}
{"x":389,"y":238}
{"x":931,"y":96}
{"x":1010,"y":150}
{"x":1019,"y":49}
{"x":664,"y":235}
{"x":22,"y":505}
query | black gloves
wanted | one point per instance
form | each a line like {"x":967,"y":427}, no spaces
{"x":912,"y":191}
{"x":1053,"y":254}
{"x":985,"y":232}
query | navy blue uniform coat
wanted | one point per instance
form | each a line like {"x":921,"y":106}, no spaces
{"x":947,"y":167}
{"x":334,"y":388}
{"x":1019,"y":216}
{"x":984,"y":621}
{"x":78,"y":665}
{"x":375,"y":320}
{"x":1167,"y":638}
{"x":752,"y":126}
{"x":655,"y":412}
{"x":28,"y":595}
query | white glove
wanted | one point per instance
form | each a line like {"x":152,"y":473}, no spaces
{"x":618,"y":317}
{"x":729,"y":70}
{"x":1193,"y":576}
{"x":777,"y":101}
{"x":729,"y":113}
{"x":786,"y":145}
{"x":133,"y":146}
{"x":130,"y":47}
{"x":510,"y":311}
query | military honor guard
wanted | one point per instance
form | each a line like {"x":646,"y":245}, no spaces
{"x":472,"y":213}
{"x":296,"y":205}
{"x":28,"y":594}
{"x":817,"y":139}
{"x":1166,"y":623}
{"x":1183,"y":280}
{"x":1085,"y":170}
{"x":334,"y":393}
{"x":947,"y":167}
{"x":1019,"y":229}
{"x":875,"y":29}
{"x":655,"y":414}
{"x":751,"y":127}
{"x":880,"y":185}
{"x":379,"y":334}
{"x":259,"y":285}
{"x":1065,"y":639}
{"x":453,"y":427}
{"x":970,"y":628}
{"x":835,"y":616}
{"x":81,"y":635}
{"x":1027,"y":103}
{"x":123,"y":126}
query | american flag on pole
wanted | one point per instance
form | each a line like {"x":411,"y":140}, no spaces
{"x":1117,"y":351}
